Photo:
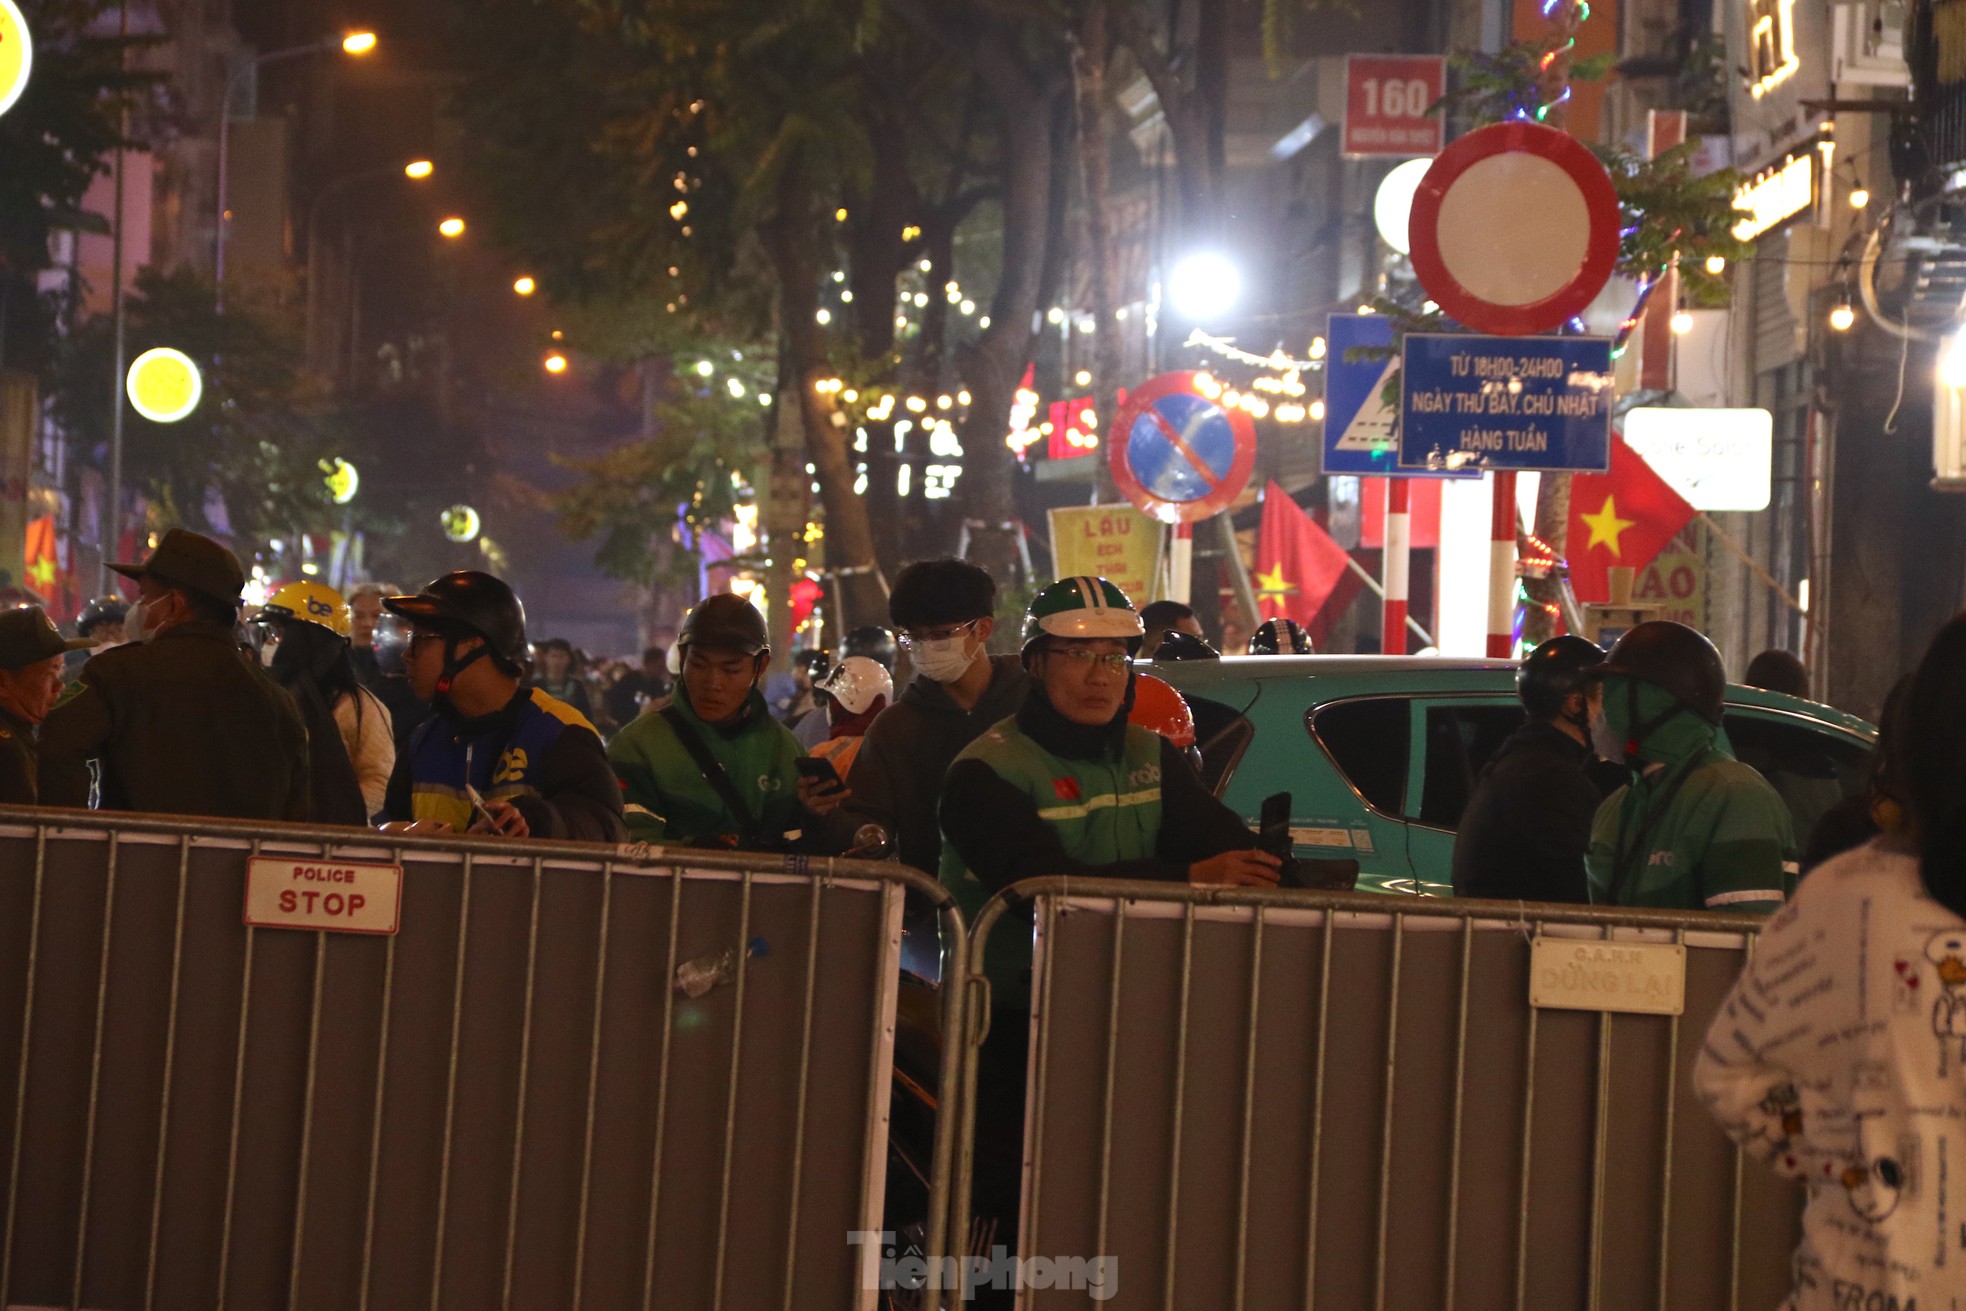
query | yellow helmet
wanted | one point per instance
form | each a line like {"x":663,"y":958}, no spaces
{"x":310,"y":603}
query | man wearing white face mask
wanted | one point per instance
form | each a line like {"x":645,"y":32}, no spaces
{"x":944,"y":611}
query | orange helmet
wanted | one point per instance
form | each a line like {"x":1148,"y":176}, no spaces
{"x":1158,"y":706}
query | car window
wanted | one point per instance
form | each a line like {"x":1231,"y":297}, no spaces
{"x":1367,"y":739}
{"x":1810,"y":768}
{"x":1460,"y":739}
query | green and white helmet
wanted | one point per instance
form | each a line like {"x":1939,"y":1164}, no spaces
{"x":1083,"y":606}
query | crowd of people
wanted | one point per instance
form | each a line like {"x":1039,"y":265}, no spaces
{"x":433,"y":712}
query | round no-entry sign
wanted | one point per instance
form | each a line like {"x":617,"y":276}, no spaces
{"x":1178,"y":455}
{"x":1514,"y":228}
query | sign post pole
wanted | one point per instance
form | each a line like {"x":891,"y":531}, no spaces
{"x":1392,"y":634}
{"x":1501,"y":568}
{"x":1181,"y":563}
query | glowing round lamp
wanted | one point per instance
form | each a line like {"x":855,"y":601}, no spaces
{"x":164,"y":385}
{"x":1394,"y":202}
{"x":16,"y":54}
{"x":343,"y":480}
{"x":460,"y":523}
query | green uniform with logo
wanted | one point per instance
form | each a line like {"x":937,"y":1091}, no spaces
{"x":1699,"y":829}
{"x":667,"y":798}
{"x":1103,"y":812}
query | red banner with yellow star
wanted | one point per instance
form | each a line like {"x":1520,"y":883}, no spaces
{"x":1624,"y":516}
{"x":1299,"y":569}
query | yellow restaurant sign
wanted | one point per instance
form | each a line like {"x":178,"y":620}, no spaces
{"x":1778,"y":193}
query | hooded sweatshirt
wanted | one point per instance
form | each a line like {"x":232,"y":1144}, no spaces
{"x":668,"y":799}
{"x":1697,"y":828}
{"x":896,"y":779}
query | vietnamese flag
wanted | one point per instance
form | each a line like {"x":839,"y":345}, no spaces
{"x":1623,"y":517}
{"x":43,"y":569}
{"x":1300,"y":571}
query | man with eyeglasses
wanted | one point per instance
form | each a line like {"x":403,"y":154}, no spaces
{"x":944,"y":610}
{"x":1068,"y":786}
{"x":497,"y":757}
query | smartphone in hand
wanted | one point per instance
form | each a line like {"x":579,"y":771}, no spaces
{"x":1273,"y":828}
{"x":821,"y":771}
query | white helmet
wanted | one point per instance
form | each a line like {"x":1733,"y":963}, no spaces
{"x":856,"y":682}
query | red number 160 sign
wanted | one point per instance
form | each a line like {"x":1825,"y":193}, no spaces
{"x":1386,"y":103}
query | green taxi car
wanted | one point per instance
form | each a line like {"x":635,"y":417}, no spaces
{"x":1379,"y":753}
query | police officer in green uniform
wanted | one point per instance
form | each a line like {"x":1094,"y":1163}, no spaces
{"x":1068,"y":786}
{"x":31,"y":652}
{"x":1696,"y":828}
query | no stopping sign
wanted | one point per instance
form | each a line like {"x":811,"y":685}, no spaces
{"x":1178,"y":455}
{"x":1514,"y":229}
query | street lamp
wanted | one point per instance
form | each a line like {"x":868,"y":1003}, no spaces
{"x":1204,"y":286}
{"x":419,"y":169}
{"x":452,"y":227}
{"x":525,"y":286}
{"x":353,"y":43}
{"x":556,"y":363}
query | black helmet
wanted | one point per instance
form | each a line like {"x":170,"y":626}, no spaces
{"x":102,"y":610}
{"x":726,"y":622}
{"x":1177,"y":645}
{"x":1279,"y":637}
{"x":476,"y":602}
{"x":1554,"y":670}
{"x":1675,"y":658}
{"x":815,"y":662}
{"x":877,"y":644}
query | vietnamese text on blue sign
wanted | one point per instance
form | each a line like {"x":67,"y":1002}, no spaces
{"x":1505,"y":403}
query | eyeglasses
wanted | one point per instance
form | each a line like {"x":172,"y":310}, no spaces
{"x":911,"y":637}
{"x":1082,"y":661}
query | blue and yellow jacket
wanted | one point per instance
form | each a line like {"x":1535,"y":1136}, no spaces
{"x":537,"y":753}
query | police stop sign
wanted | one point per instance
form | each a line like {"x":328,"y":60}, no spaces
{"x":319,"y":892}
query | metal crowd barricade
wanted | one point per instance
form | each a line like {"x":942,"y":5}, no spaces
{"x":1284,"y":1099}
{"x":508,"y":1103}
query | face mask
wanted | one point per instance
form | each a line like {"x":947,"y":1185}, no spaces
{"x":945,"y":659}
{"x":1605,"y":742}
{"x":267,"y":650}
{"x":136,"y":625}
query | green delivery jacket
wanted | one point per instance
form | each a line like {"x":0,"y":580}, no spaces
{"x":1721,"y":839}
{"x":667,"y":799}
{"x":1037,"y":796}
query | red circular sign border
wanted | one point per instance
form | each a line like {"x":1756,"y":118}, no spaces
{"x":1234,"y":483}
{"x":1600,"y":254}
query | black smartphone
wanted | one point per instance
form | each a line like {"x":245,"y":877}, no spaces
{"x":1273,"y":829}
{"x":822,"y":770}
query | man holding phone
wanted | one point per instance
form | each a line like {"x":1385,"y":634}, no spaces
{"x":713,"y":768}
{"x":497,"y":757}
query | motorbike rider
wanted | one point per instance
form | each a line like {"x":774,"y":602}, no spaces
{"x":351,"y":743}
{"x":713,"y":768}
{"x":498,"y":757}
{"x":1696,"y":827}
{"x":1527,"y":823}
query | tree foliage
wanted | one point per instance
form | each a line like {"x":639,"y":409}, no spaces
{"x":248,"y":458}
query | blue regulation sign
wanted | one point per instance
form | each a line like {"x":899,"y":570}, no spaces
{"x":1469,"y":403}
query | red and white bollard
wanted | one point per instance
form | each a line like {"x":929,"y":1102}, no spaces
{"x":1392,"y":638}
{"x":1501,"y":569}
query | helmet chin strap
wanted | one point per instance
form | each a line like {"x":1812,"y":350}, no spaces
{"x":454,"y":665}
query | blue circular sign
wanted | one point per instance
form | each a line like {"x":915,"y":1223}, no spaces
{"x":1179,"y":455}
